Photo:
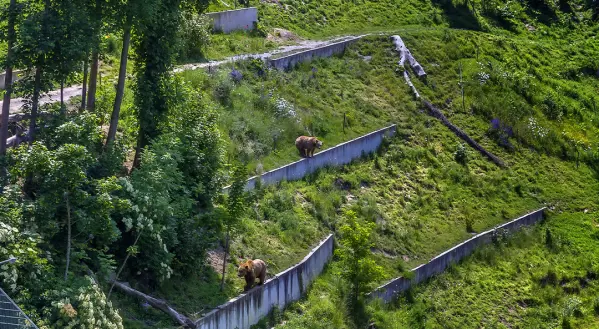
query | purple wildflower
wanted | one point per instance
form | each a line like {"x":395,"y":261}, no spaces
{"x":236,"y":76}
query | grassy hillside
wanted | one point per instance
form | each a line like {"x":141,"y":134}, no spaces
{"x":543,"y":277}
{"x":421,"y":198}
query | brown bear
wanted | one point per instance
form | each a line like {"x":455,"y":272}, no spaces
{"x":251,"y":270}
{"x":306,"y":146}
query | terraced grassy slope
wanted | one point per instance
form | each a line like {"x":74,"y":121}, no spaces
{"x":544,"y":277}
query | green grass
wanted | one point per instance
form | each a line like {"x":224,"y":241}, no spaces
{"x":240,"y":42}
{"x":520,"y":282}
{"x":261,"y":116}
{"x":422,"y":200}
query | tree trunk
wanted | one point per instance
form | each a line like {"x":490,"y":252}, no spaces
{"x":84,"y":91}
{"x":157,"y":303}
{"x":93,"y":74}
{"x":62,"y":107}
{"x":66,"y":270}
{"x":34,"y":106}
{"x":8,"y":78}
{"x":123,"y":265}
{"x":141,"y":141}
{"x":120,"y":89}
{"x":222,"y":282}
{"x":93,"y":80}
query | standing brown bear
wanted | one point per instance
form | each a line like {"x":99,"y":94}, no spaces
{"x":306,"y":146}
{"x":251,"y":270}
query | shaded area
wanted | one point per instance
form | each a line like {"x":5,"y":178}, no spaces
{"x":459,"y":16}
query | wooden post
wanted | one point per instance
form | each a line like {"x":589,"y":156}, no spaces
{"x":344,"y":120}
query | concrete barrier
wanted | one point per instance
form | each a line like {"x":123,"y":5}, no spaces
{"x":289,"y":61}
{"x":285,"y":288}
{"x":438,"y":264}
{"x":233,"y":20}
{"x":16,"y":75}
{"x":339,"y":155}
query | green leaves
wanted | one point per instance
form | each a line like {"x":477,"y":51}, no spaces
{"x":355,"y":257}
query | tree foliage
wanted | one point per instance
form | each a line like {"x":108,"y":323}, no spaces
{"x":355,"y":257}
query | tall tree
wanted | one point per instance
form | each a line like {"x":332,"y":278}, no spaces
{"x":155,"y":51}
{"x":120,"y":89}
{"x":12,"y":13}
{"x":156,"y":44}
{"x":235,"y":206}
{"x":93,"y":74}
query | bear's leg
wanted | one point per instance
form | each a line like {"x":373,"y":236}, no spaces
{"x":262,"y":277}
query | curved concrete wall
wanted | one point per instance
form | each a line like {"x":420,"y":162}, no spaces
{"x":286,"y":287}
{"x":339,"y":155}
{"x":232,"y":20}
{"x":438,"y":264}
{"x":289,"y":61}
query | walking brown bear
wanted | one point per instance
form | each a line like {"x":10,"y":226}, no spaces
{"x":306,"y":146}
{"x":251,"y":270}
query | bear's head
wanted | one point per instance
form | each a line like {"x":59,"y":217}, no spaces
{"x":245,"y":268}
{"x":317,"y":143}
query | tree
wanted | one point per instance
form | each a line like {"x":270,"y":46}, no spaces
{"x":355,"y":257}
{"x":36,"y":41}
{"x":235,"y":205}
{"x":93,"y":74}
{"x":133,"y":11}
{"x":11,"y":38}
{"x":72,"y":30}
{"x":156,"y":46}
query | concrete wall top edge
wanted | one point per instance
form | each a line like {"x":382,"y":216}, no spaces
{"x":231,"y":10}
{"x":384,"y":286}
{"x":315,"y":249}
{"x":478,"y":236}
{"x":322,"y":152}
{"x":318,"y":48}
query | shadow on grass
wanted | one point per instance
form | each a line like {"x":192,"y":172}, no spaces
{"x":459,"y":15}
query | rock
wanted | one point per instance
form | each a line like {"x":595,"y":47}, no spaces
{"x":282,"y":35}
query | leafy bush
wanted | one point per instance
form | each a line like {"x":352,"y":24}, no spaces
{"x":195,"y":34}
{"x":461,"y":154}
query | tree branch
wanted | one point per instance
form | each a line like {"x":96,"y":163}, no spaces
{"x":156,"y":303}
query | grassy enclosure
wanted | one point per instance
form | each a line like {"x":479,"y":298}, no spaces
{"x":519,"y":77}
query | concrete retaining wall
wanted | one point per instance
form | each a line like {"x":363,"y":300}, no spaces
{"x":339,"y":155}
{"x":289,"y":61}
{"x":233,"y":20}
{"x":16,"y":75}
{"x":438,"y":264}
{"x":285,"y":288}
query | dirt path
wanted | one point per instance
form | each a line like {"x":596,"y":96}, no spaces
{"x":300,"y":46}
{"x":16,"y":104}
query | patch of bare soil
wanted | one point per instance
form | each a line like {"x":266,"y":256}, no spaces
{"x":281,"y":35}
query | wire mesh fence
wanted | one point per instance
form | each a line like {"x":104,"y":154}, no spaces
{"x":11,"y":316}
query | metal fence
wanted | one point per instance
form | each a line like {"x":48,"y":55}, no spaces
{"x":11,"y":316}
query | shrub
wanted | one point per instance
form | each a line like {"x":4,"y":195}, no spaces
{"x":461,"y":154}
{"x":223,"y":89}
{"x":195,"y":34}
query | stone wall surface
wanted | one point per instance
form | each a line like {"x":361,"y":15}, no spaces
{"x":438,"y":264}
{"x":289,"y":61}
{"x":285,"y":288}
{"x":233,"y":20}
{"x":341,"y":154}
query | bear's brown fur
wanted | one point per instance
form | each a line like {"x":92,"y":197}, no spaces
{"x":306,"y":146}
{"x":251,"y":270}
